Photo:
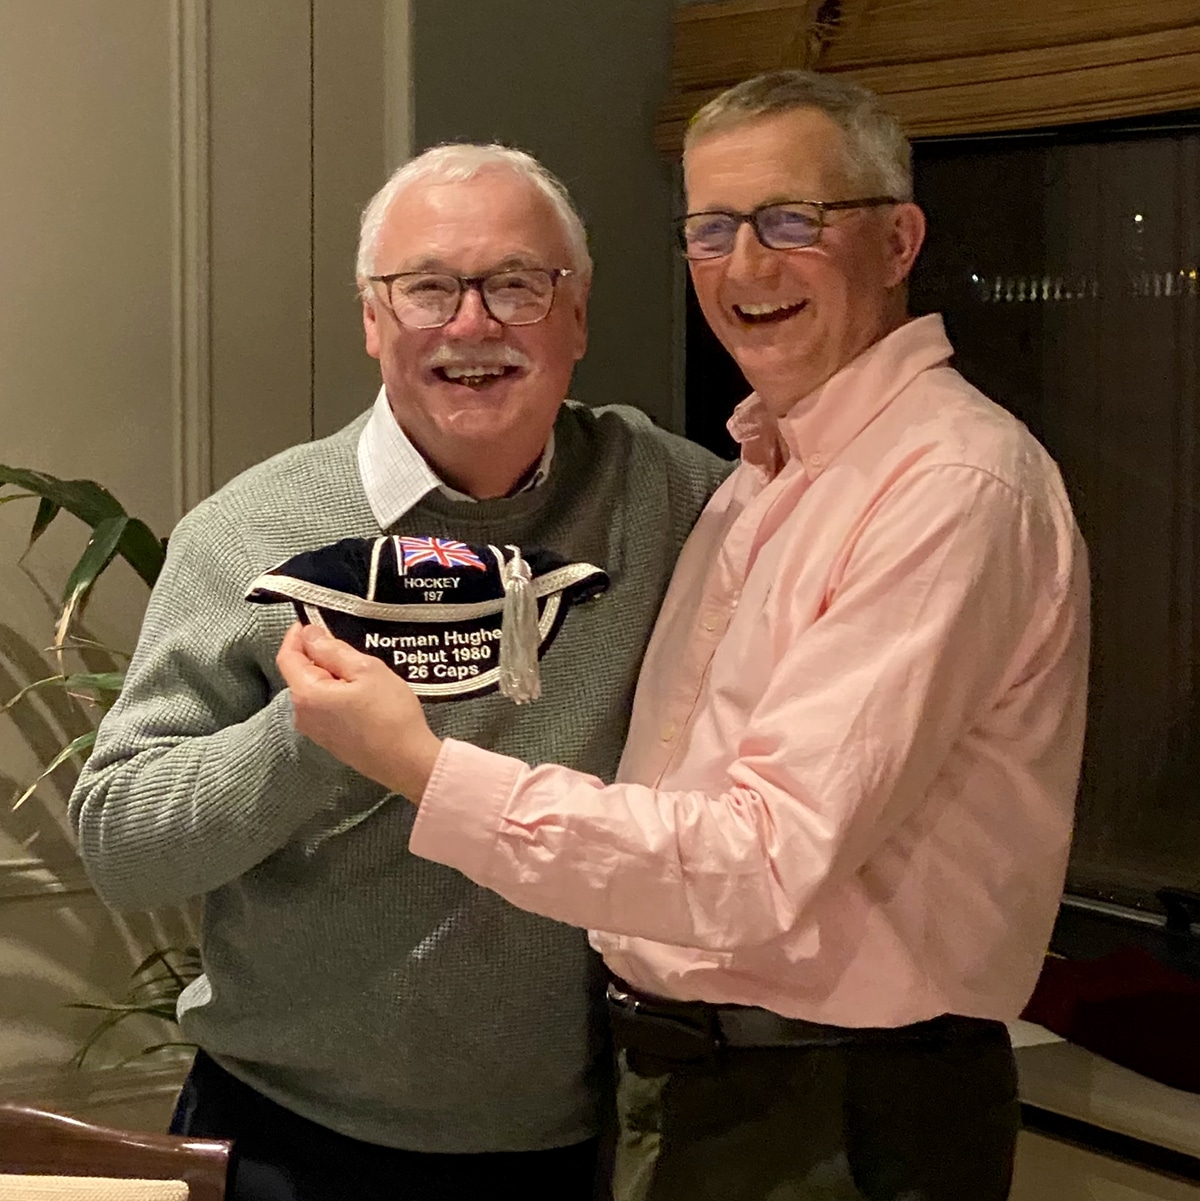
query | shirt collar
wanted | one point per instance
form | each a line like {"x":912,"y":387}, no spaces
{"x":819,"y":427}
{"x":395,"y":475}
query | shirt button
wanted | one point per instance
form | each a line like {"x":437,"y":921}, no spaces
{"x":667,"y":733}
{"x":711,"y":621}
{"x":817,"y":461}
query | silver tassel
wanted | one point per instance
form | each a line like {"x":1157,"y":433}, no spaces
{"x":520,"y":679}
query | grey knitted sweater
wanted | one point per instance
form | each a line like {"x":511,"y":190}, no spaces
{"x":381,"y":995}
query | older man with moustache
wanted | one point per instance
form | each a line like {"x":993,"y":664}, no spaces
{"x":828,"y":872}
{"x":373,"y":1025}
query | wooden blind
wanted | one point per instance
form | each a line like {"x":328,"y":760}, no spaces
{"x":950,"y":66}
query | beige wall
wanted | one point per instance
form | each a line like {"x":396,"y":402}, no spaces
{"x":178,"y":212}
{"x":580,"y":90}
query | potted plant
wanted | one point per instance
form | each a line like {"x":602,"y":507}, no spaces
{"x":166,"y":971}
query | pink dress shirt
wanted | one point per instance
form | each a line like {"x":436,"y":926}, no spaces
{"x":849,"y":782}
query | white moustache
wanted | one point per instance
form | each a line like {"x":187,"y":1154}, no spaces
{"x":465,"y":356}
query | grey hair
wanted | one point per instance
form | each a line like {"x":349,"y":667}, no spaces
{"x":457,"y":162}
{"x":878,"y":153}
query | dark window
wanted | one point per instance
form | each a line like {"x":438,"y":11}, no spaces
{"x":1066,"y":266}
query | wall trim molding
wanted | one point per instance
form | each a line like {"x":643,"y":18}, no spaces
{"x":21,"y":879}
{"x":191,"y":326}
{"x":399,"y":133}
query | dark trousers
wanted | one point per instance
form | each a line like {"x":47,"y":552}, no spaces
{"x":923,"y":1113}
{"x":278,"y":1156}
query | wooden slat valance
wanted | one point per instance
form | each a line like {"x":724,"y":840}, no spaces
{"x":950,"y":66}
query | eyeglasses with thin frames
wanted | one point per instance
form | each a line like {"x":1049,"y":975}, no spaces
{"x":431,"y":299}
{"x":787,"y":225}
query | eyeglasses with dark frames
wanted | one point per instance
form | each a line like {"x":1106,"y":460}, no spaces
{"x":431,"y":299}
{"x":788,"y":225}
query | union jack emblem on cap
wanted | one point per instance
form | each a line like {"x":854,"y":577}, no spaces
{"x":443,"y":551}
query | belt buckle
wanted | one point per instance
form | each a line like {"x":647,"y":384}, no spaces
{"x":626,"y":1000}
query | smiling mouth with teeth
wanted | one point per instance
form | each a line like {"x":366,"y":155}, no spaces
{"x":762,"y":314}
{"x":474,"y":377}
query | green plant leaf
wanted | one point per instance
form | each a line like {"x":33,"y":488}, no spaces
{"x":76,"y":642}
{"x":154,"y":1050}
{"x":100,"y":688}
{"x":83,"y":498}
{"x":77,"y":746}
{"x":143,"y":550}
{"x":46,"y":513}
{"x":96,"y":681}
{"x":121,"y":1010}
{"x":127,"y":1009}
{"x":18,"y":496}
{"x":90,"y":681}
{"x":115,"y":1016}
{"x":45,"y":682}
{"x":99,"y":552}
{"x":157,"y":988}
{"x":92,"y":504}
{"x":155,"y":995}
{"x":158,"y":955}
{"x":161,"y":958}
{"x":97,"y":555}
{"x":98,"y":1032}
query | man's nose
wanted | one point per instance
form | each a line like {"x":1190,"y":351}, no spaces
{"x":472,"y":319}
{"x":749,"y":258}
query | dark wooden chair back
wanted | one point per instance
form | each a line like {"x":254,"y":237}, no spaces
{"x":37,"y":1142}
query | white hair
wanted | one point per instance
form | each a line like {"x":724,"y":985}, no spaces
{"x":457,"y":162}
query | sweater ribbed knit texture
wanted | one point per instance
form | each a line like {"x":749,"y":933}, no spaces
{"x":381,"y":995}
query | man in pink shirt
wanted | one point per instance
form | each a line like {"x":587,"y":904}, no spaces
{"x":829,"y":867}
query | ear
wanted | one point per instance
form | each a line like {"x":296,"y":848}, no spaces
{"x":371,"y":327}
{"x":906,"y":235}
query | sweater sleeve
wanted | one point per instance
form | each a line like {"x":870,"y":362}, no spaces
{"x":197,"y":774}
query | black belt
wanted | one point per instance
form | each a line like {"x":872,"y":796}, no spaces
{"x":696,"y":1029}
